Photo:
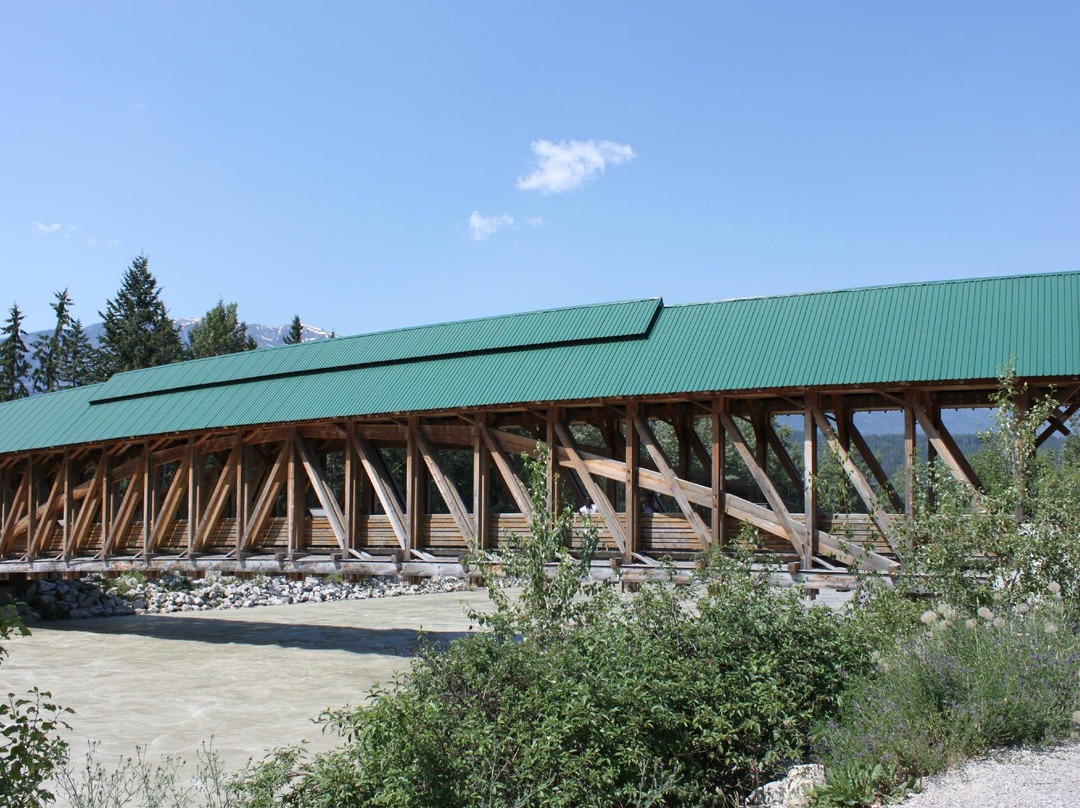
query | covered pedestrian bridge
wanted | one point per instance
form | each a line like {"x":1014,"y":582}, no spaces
{"x":397,"y":452}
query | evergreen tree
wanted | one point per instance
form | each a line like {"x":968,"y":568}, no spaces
{"x":14,"y":365}
{"x":296,"y":332}
{"x":138,"y":330}
{"x":219,"y":332}
{"x":78,"y":363}
{"x":47,"y":348}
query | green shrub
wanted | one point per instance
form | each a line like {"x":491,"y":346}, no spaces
{"x":31,"y":749}
{"x":124,"y":584}
{"x":964,"y":685}
{"x":578,"y":696}
{"x":1004,"y":545}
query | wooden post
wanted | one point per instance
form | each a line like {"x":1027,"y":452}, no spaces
{"x":761,"y":439}
{"x":193,"y":472}
{"x":718,"y":474}
{"x":414,"y":481}
{"x":294,"y":501}
{"x":481,"y":486}
{"x":106,"y":495}
{"x":31,"y":502}
{"x":633,"y":492}
{"x":352,"y":488}
{"x":149,"y":487}
{"x":552,"y":469}
{"x":910,"y":397}
{"x":1023,"y":458}
{"x":68,"y":507}
{"x":243,"y":490}
{"x":810,"y":470}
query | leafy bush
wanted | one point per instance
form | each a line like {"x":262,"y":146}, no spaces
{"x":963,"y":686}
{"x":1005,"y":544}
{"x":578,"y":696}
{"x":31,"y":749}
{"x":125,"y":584}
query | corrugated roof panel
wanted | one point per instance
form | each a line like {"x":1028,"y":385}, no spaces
{"x":624,"y":320}
{"x":921,"y":332}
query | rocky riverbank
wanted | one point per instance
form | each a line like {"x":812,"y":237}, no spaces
{"x":53,"y":598}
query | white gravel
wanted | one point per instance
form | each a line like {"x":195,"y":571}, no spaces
{"x":1014,"y":779}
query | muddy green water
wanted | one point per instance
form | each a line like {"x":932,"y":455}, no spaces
{"x":252,"y":679}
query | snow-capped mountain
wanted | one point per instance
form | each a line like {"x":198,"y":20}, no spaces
{"x":265,"y":336}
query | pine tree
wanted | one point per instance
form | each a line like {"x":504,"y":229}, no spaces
{"x":14,"y":365}
{"x":219,"y":332}
{"x":138,"y":331}
{"x":78,"y":357}
{"x":47,"y":348}
{"x":296,"y":332}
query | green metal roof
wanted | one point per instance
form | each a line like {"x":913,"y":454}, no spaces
{"x":626,"y":320}
{"x":942,"y":331}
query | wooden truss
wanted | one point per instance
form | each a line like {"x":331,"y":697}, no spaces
{"x":377,"y":495}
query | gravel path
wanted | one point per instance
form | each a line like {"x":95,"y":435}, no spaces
{"x":1016,"y":779}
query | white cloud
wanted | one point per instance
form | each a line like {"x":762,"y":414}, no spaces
{"x":481,"y":228}
{"x":534,"y":221}
{"x":46,"y":228}
{"x":566,"y":165}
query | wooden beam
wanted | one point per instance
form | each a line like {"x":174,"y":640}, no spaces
{"x":868,"y":456}
{"x":245,"y":460}
{"x":46,"y":525}
{"x":68,"y":507}
{"x":266,"y":497}
{"x":149,"y":497}
{"x":1057,"y":423}
{"x":661,"y":461}
{"x":611,"y":518}
{"x":858,"y":480}
{"x":352,"y":489}
{"x":938,"y":437}
{"x":781,"y":452}
{"x":215,"y":503}
{"x":414,"y":488}
{"x":793,"y":531}
{"x":18,"y":505}
{"x":910,"y":399}
{"x":758,"y":419}
{"x":379,"y":477}
{"x":91,"y":503}
{"x":194,"y":505}
{"x":513,"y":483}
{"x":31,"y":500}
{"x":810,"y":494}
{"x":838,"y":549}
{"x":606,"y":467}
{"x":481,"y":487}
{"x":170,"y":504}
{"x":718,"y":473}
{"x":323,"y":492}
{"x":125,"y":514}
{"x":632,"y":483}
{"x":552,"y":475}
{"x":446,"y":487}
{"x":294,"y":501}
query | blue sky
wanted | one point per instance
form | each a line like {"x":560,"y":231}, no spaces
{"x":360,"y":164}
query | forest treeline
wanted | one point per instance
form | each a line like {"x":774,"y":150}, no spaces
{"x":138,"y":333}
